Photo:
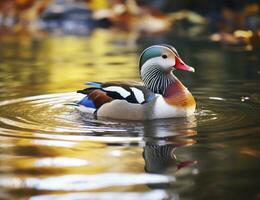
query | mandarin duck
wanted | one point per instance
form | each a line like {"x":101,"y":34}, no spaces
{"x":159,"y":95}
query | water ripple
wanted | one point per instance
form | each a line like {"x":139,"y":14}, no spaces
{"x":52,"y":117}
{"x":81,"y":182}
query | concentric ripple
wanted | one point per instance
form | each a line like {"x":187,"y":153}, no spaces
{"x":54,"y":116}
{"x":226,"y":111}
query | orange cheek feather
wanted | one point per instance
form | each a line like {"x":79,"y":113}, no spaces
{"x":177,"y":95}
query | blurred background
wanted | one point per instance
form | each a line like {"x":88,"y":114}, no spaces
{"x":232,"y":21}
{"x":40,"y":37}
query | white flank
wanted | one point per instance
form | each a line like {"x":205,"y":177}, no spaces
{"x":124,"y":93}
{"x":139,"y":95}
{"x":121,"y":109}
{"x":156,"y":109}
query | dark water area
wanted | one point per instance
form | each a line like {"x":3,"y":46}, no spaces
{"x":48,"y":150}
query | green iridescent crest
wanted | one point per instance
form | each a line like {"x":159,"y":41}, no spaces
{"x":151,"y":52}
{"x":154,"y":51}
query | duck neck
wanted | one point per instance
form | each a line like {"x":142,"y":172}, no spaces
{"x":156,"y":79}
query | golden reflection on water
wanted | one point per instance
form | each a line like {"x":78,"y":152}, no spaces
{"x":66,"y":167}
{"x":57,"y":63}
{"x":95,"y":58}
{"x":68,"y":163}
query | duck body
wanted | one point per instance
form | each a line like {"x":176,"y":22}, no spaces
{"x":161,"y":95}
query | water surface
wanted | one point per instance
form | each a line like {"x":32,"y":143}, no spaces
{"x":48,"y":150}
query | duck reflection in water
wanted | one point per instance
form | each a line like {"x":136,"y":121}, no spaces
{"x":161,"y":143}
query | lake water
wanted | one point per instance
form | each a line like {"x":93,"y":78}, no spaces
{"x":48,"y":150}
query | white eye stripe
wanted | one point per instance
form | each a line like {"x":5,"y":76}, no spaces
{"x":123,"y":92}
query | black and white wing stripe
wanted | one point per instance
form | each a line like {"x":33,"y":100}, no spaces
{"x":129,"y":91}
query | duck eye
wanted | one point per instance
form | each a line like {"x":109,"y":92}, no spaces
{"x":164,"y":56}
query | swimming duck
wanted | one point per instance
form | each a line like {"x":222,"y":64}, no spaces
{"x":159,"y":95}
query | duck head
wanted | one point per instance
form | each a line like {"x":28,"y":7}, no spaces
{"x":156,"y":65}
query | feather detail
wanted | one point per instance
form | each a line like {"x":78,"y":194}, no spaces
{"x":87,"y":102}
{"x":177,"y":94}
{"x":94,"y":84}
{"x":95,"y":96}
{"x":130,"y":91}
{"x":99,"y":98}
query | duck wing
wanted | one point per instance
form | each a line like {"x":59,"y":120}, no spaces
{"x":97,"y":94}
